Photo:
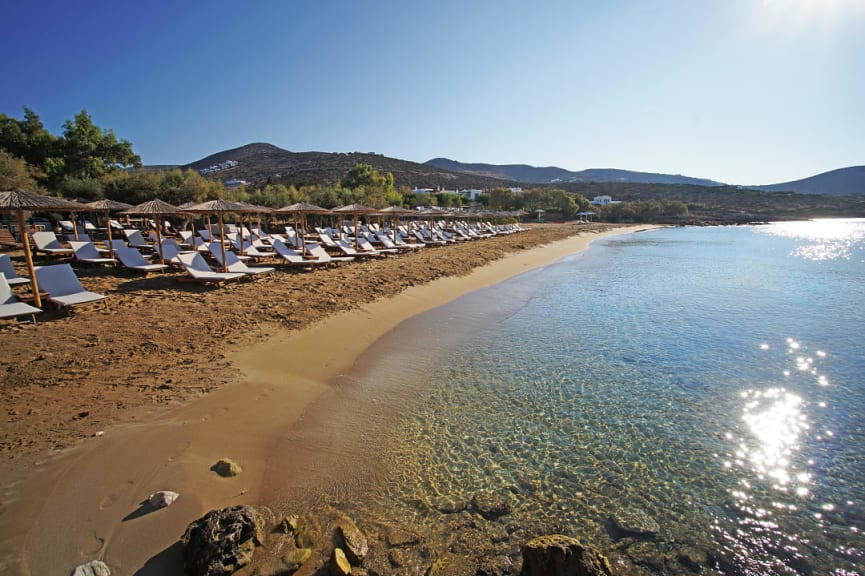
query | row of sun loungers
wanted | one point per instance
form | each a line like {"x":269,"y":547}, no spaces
{"x":317,"y":249}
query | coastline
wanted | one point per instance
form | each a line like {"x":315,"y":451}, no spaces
{"x":86,"y":503}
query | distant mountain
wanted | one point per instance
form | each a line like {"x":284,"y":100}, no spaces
{"x":257,"y":162}
{"x":841,"y":182}
{"x":534,"y":175}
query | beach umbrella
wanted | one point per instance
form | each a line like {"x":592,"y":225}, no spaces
{"x":354,"y":210}
{"x":395,"y":212}
{"x":220,"y":207}
{"x":156,"y":208}
{"x":17,"y":202}
{"x":253,"y":209}
{"x":431,"y":212}
{"x":105,"y":206}
{"x":302,"y":209}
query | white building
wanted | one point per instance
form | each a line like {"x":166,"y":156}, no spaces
{"x":471,"y":194}
{"x":603,"y":201}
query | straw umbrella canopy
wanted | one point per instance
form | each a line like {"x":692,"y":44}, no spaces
{"x":432,"y":212}
{"x":302,"y":209}
{"x":156,"y":208}
{"x":395,"y":212}
{"x":220,"y":207}
{"x":17,"y":202}
{"x":105,"y":206}
{"x":254,"y":209}
{"x":354,"y":210}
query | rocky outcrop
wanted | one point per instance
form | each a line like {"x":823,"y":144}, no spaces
{"x":558,"y":555}
{"x":222,"y":541}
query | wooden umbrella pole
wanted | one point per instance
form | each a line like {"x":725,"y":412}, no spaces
{"x":74,"y":225}
{"x":29,"y":257}
{"x":159,"y":238}
{"x":108,"y":231}
{"x":222,"y":242}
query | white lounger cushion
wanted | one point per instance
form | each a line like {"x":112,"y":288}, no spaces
{"x":9,"y":304}
{"x":6,"y":268}
{"x":63,"y":286}
{"x":197,"y":268}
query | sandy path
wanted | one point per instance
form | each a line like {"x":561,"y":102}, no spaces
{"x":85,"y":503}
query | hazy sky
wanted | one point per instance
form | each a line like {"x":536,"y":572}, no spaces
{"x":741,"y":91}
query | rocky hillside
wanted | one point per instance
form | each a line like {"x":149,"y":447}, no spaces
{"x":551,"y":174}
{"x":842,"y":182}
{"x":258,"y":162}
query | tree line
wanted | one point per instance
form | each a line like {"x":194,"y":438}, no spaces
{"x":88,"y":163}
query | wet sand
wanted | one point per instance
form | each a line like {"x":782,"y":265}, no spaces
{"x":70,"y":506}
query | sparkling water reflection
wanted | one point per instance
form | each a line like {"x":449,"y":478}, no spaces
{"x":705,"y":381}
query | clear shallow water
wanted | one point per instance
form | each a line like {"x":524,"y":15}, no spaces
{"x":708,"y":378}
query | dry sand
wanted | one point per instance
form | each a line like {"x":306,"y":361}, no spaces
{"x":132,"y":370}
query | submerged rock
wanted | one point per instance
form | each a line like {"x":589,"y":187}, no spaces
{"x":222,"y":541}
{"x":162,"y":499}
{"x":635,"y":522}
{"x":558,"y":555}
{"x":339,"y":565}
{"x":491,"y":505}
{"x":453,"y":565}
{"x":94,"y":568}
{"x":227,"y":468}
{"x":355,"y":542}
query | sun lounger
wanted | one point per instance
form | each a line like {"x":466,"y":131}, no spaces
{"x":47,"y":242}
{"x":349,"y":250}
{"x":364,"y":245}
{"x":10,"y":306}
{"x":11,"y":276}
{"x":198,"y":270}
{"x":87,"y":252}
{"x":7,"y":240}
{"x":235,"y":264}
{"x":135,"y":239}
{"x":63,"y":286}
{"x":319,"y":252}
{"x":388,"y":243}
{"x":293,"y":258}
{"x":132,"y":259}
{"x":82,"y":237}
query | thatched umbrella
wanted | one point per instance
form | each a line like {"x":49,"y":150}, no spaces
{"x":105,"y":206}
{"x":253,"y":209}
{"x":302,"y":209}
{"x":395,"y":212}
{"x":18,"y":201}
{"x":156,"y":208}
{"x":220,"y":207}
{"x":354,"y":210}
{"x":431,"y":212}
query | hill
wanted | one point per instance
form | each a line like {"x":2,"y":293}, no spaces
{"x":841,"y":182}
{"x":258,"y":162}
{"x":551,"y":174}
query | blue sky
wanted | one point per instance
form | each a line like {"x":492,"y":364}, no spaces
{"x":741,"y":91}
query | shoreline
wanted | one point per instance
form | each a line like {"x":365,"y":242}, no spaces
{"x":96,"y":488}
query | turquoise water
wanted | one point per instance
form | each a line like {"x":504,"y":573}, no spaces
{"x":709,"y":379}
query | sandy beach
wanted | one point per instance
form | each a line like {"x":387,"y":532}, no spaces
{"x":103,"y":408}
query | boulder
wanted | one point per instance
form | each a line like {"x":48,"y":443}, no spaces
{"x":162,"y":498}
{"x":354,"y":541}
{"x":222,"y":541}
{"x":295,"y":559}
{"x":227,"y":468}
{"x":94,"y":568}
{"x":491,"y":505}
{"x":557,"y":555}
{"x":339,"y":565}
{"x":298,"y":527}
{"x":635,"y":522}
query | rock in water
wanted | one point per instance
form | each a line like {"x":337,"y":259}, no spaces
{"x":356,"y":547}
{"x":94,"y":568}
{"x":227,"y":468}
{"x":295,"y":559}
{"x":558,"y":555}
{"x":222,"y":541}
{"x":491,"y":505}
{"x":162,"y":498}
{"x":633,"y":521}
{"x":339,"y":565}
